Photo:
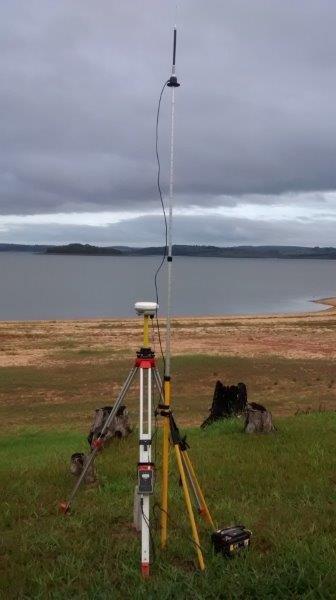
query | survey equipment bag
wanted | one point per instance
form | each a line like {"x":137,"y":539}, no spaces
{"x":231,"y":540}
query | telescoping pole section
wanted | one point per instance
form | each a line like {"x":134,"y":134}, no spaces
{"x":147,"y":368}
{"x":145,"y":466}
{"x":172,"y":83}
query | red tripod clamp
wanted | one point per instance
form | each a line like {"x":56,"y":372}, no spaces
{"x":145,"y":363}
{"x":98,"y":443}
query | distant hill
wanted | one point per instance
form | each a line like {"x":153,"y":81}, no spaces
{"x":23,"y":248}
{"x":179,"y":250}
{"x":84,"y":249}
{"x":235,"y":251}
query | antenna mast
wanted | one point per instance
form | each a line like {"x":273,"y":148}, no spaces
{"x":172,"y":83}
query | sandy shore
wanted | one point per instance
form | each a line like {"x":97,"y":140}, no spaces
{"x":331,"y":302}
{"x":305,"y":335}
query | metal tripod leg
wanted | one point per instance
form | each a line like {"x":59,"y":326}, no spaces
{"x":165,"y":399}
{"x":188,"y":480}
{"x":189,"y":506}
{"x":65,"y":506}
{"x":158,"y":382}
{"x":196,"y":488}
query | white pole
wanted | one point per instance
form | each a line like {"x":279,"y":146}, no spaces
{"x":172,"y":83}
{"x":170,"y":237}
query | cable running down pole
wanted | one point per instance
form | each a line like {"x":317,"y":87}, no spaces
{"x":172,"y":83}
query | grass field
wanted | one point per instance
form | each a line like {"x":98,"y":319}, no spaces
{"x":47,"y":396}
{"x":281,"y":486}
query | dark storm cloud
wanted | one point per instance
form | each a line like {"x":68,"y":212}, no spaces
{"x":79,"y":87}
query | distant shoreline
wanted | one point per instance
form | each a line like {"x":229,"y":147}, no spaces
{"x":192,"y":251}
{"x":62,"y":342}
{"x":329,"y":303}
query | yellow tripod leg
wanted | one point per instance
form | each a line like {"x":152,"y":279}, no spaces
{"x":198,"y":489}
{"x":165,"y":467}
{"x":189,"y":507}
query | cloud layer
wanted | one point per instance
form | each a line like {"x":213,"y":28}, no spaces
{"x":254,"y":118}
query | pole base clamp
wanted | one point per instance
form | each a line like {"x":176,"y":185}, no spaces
{"x":163,"y":410}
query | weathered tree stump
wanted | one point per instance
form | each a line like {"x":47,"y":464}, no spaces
{"x":228,"y":401}
{"x":120,"y":426}
{"x":258,"y":419}
{"x":77,"y":463}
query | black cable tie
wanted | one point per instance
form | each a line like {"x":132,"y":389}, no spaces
{"x":163,"y":410}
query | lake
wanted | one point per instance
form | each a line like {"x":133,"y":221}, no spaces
{"x":36,"y":286}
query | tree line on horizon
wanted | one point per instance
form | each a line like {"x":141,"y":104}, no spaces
{"x":178,"y":250}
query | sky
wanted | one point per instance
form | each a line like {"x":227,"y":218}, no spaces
{"x":255,"y":126}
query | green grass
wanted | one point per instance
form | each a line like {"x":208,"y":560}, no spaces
{"x":51,"y":395}
{"x":282,"y":486}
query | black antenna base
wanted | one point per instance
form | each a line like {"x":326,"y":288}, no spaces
{"x":173,"y":82}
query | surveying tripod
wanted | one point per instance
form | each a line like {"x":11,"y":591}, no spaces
{"x":145,"y":366}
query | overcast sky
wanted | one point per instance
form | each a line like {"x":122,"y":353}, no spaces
{"x":255,"y":121}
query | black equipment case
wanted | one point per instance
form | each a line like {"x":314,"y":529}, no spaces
{"x":231,"y":540}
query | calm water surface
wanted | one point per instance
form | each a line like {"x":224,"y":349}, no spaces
{"x":49,"y":287}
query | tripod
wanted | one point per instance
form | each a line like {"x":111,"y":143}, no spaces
{"x":145,"y":366}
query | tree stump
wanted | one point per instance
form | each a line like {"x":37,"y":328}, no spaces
{"x":258,"y":420}
{"x":228,"y":401}
{"x":77,"y":463}
{"x":120,"y":426}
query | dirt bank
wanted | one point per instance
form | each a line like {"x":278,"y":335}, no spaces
{"x":38,"y":343}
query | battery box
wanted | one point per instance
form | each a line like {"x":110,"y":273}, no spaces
{"x":146,"y":478}
{"x":231,"y":540}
